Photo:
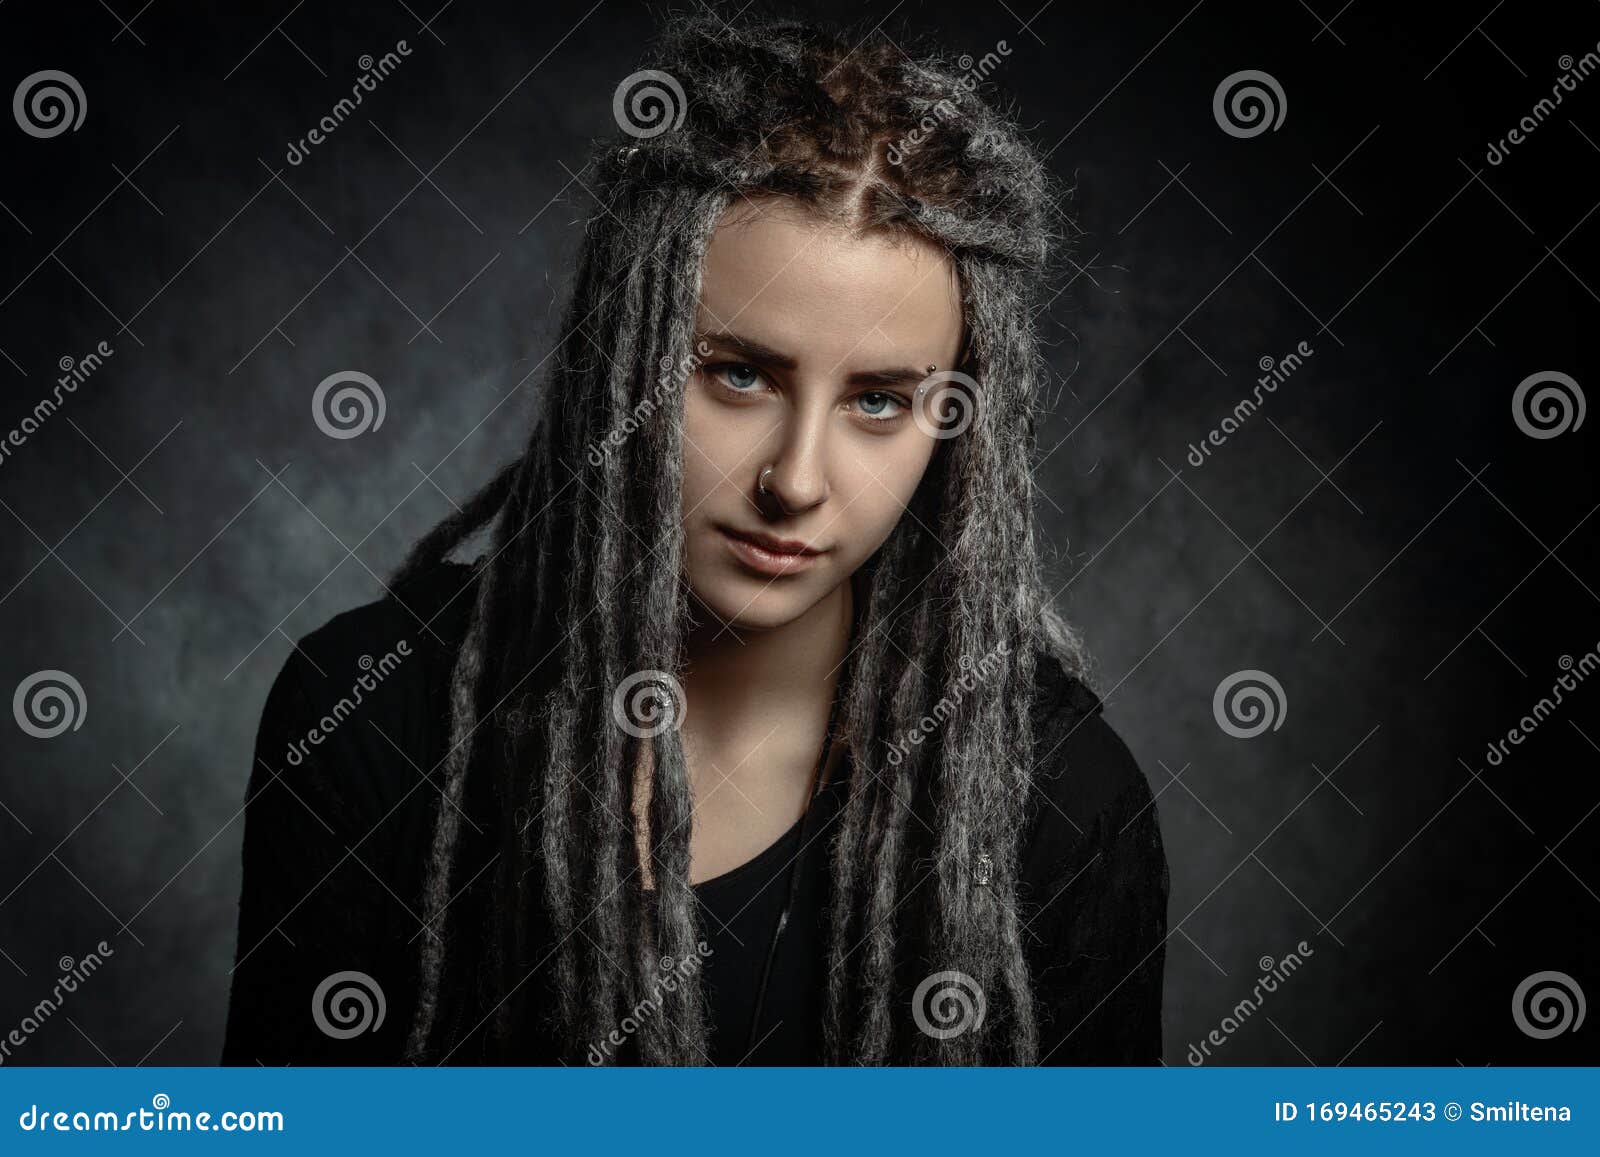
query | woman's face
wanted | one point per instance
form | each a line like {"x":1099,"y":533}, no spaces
{"x":817,"y":342}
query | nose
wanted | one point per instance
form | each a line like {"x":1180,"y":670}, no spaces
{"x":796,"y":477}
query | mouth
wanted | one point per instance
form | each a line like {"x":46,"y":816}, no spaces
{"x":768,"y":555}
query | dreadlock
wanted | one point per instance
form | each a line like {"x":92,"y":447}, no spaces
{"x":582,"y":584}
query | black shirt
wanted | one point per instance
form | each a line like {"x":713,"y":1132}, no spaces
{"x":739,"y":910}
{"x":347,"y":782}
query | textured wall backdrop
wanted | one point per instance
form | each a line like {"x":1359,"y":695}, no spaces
{"x":1407,"y":553}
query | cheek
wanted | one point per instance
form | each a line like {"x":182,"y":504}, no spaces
{"x":875,"y":483}
{"x":709,"y":449}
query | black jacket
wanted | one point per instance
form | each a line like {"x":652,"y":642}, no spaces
{"x":338,"y":829}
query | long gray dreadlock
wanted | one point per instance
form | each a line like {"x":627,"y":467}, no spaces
{"x":569,"y":604}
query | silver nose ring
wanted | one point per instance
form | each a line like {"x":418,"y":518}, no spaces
{"x":761,"y":481}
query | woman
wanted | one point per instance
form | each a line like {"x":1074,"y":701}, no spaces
{"x":752,"y":736}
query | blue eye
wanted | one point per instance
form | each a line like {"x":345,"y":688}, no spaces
{"x":880,"y":406}
{"x":740,"y":377}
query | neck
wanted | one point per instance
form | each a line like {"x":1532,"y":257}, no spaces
{"x":740,"y":683}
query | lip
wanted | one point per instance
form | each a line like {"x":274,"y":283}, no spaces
{"x":769,"y":555}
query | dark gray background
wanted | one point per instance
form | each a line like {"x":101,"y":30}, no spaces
{"x":1381,"y":537}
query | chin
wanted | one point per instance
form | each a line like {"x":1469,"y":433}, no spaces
{"x":750,"y":603}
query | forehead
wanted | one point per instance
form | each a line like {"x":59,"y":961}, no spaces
{"x":776,"y":272}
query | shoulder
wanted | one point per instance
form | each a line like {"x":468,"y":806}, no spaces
{"x":1094,"y":885}
{"x":1080,"y":761}
{"x":362,"y":689}
{"x":429,"y":614}
{"x":1090,"y":795}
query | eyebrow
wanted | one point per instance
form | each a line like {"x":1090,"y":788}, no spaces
{"x":764,"y":355}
